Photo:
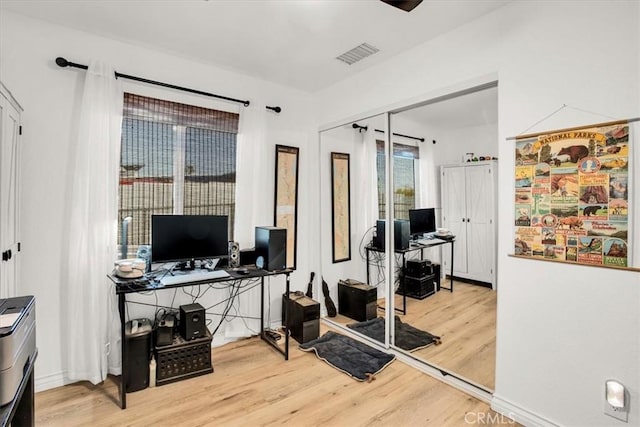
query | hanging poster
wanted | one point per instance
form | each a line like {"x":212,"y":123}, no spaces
{"x":571,"y":198}
{"x":341,"y":207}
{"x":286,"y":197}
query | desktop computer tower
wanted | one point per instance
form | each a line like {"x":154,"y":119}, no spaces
{"x":357,"y":300}
{"x":271,"y":246}
{"x":303,"y":317}
{"x":400,"y":233}
{"x":137,"y":342}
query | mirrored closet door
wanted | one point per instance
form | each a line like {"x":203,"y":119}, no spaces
{"x":461,"y":322}
{"x":354,"y":276}
{"x":368,"y":180}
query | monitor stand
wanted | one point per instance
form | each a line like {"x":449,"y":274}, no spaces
{"x":186,"y":265}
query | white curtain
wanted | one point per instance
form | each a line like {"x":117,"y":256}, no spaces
{"x":365,"y":182}
{"x":89,"y":312}
{"x":428,"y":171}
{"x":254,"y":205}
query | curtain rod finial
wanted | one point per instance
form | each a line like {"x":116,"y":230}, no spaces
{"x":61,"y":62}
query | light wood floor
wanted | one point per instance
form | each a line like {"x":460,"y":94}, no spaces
{"x":252,"y":385}
{"x":465,"y":319}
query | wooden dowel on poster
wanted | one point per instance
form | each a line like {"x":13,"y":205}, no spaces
{"x":575,"y":263}
{"x":533,"y":135}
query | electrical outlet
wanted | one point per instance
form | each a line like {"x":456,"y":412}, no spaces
{"x":616,"y":399}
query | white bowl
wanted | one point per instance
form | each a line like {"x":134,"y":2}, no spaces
{"x":442,"y":230}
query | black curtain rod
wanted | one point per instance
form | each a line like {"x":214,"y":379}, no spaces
{"x":64,"y":63}
{"x":404,"y":136}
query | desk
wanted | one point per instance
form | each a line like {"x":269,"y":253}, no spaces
{"x":414,"y":246}
{"x":19,"y":412}
{"x":125,"y":286}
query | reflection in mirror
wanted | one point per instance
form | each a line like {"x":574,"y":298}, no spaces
{"x":462,"y":194}
{"x":440,"y":261}
{"x":352,"y":181}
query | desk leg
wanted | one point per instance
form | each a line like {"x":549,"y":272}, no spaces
{"x":368,"y":279}
{"x":451,"y":275}
{"x":263,"y":335}
{"x":286,"y":323}
{"x":123,"y":349}
{"x":262,"y":308}
{"x":404,"y":289}
{"x":450,"y":288}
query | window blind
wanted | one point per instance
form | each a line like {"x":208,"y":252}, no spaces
{"x":175,"y":158}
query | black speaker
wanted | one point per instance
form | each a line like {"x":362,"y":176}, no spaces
{"x":234,"y":254}
{"x":137,"y":342}
{"x":192,"y":321}
{"x":357,"y":300}
{"x":303,"y":320}
{"x":400,"y":234}
{"x":271,"y":245}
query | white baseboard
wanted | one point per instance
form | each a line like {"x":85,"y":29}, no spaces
{"x":50,"y":381}
{"x":519,"y":414}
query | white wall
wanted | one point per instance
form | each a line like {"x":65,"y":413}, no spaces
{"x":479,"y":140}
{"x":556,"y":344}
{"x":50,"y":97}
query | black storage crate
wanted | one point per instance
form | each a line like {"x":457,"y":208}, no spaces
{"x":183,"y":359}
{"x":418,"y":287}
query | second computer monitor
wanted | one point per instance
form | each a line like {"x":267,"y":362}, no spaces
{"x":422,"y":221}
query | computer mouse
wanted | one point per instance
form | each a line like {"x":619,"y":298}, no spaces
{"x":242,"y":270}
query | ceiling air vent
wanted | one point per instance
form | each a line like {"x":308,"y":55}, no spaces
{"x":358,"y":53}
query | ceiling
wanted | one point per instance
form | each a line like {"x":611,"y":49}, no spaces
{"x":291,"y":42}
{"x":473,"y":109}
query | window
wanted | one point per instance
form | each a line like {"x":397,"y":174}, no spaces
{"x":404,"y":182}
{"x":175,"y":158}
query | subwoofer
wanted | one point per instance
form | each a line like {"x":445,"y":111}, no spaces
{"x":234,"y":254}
{"x":192,"y":321}
{"x":271,"y":245}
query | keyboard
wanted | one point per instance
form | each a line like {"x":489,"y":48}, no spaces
{"x":429,"y":242}
{"x":193,"y":276}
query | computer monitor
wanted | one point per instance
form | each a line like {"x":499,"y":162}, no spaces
{"x":188,"y":237}
{"x":422,"y":221}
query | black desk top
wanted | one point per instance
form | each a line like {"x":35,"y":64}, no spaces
{"x":127,"y":286}
{"x":422,"y":244}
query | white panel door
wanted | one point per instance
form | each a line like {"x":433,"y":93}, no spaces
{"x":480,"y":250}
{"x":9,"y":195}
{"x":454,"y":216}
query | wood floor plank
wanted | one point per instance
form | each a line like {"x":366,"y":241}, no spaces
{"x":465,"y":319}
{"x":252,"y":385}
